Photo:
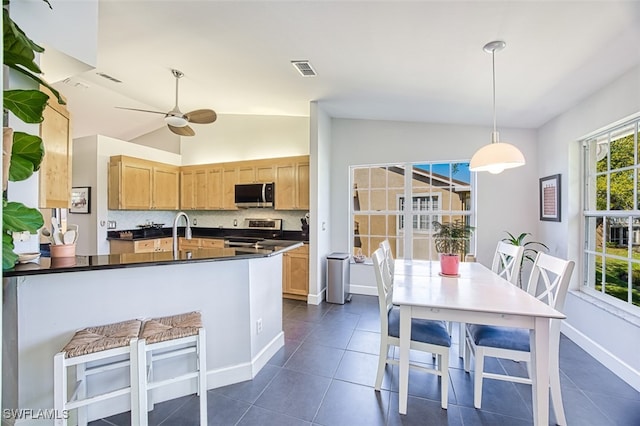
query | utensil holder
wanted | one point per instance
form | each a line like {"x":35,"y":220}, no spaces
{"x":63,"y":250}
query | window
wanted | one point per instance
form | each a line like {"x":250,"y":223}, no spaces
{"x":611,"y":255}
{"x":438,"y":191}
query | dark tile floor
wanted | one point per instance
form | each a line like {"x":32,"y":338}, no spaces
{"x":324,"y":375}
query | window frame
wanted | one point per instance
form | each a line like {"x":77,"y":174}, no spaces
{"x":592,"y":251}
{"x":405,"y":237}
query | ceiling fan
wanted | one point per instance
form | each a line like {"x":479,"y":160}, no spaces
{"x":178,"y":122}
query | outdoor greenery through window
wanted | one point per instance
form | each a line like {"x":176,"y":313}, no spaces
{"x":612,"y":213}
{"x":439,"y":191}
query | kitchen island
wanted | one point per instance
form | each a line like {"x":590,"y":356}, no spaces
{"x":238,"y":292}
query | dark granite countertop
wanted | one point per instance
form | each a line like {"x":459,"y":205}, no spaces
{"x":46,"y":265}
{"x":198,"y":232}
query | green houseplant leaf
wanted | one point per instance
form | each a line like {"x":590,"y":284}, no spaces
{"x":27,"y":105}
{"x":452,"y":237}
{"x":27,"y":154}
{"x":16,"y":217}
{"x":9,"y":258}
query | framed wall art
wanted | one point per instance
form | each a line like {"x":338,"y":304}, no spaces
{"x":550,"y":198}
{"x":80,"y":200}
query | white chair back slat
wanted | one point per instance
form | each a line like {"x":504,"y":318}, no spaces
{"x":385,"y":288}
{"x":507,"y":261}
{"x":388,"y":257}
{"x":549,"y":280}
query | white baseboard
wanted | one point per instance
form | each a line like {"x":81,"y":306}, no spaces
{"x":316,"y":299}
{"x":363,"y":289}
{"x":261,"y":359}
{"x":621,"y":369}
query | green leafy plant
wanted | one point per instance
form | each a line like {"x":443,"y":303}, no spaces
{"x":531,"y":249}
{"x":452,"y":237}
{"x":26,"y":151}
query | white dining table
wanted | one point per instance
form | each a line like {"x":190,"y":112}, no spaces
{"x":476,"y":296}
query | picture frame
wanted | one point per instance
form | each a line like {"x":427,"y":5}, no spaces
{"x":550,"y":206}
{"x":80,"y":200}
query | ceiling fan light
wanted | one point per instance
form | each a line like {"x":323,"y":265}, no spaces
{"x":176,"y":121}
{"x":496,"y":157}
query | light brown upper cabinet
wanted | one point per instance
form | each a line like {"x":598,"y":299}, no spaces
{"x":55,"y":170}
{"x":292,"y":184}
{"x":136,"y":184}
{"x":215,"y":189}
{"x":229,"y":179}
{"x":193,"y":188}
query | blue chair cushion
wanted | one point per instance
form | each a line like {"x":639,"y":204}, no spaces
{"x":500,"y":337}
{"x":425,"y":331}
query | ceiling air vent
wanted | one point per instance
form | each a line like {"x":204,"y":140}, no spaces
{"x":304,"y":68}
{"x":108,"y":77}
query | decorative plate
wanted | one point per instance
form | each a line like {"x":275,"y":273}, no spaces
{"x":28,"y":257}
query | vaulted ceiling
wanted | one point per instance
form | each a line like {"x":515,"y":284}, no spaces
{"x":387,"y":60}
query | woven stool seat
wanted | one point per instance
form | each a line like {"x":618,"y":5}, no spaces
{"x":172,"y":327}
{"x":100,"y":338}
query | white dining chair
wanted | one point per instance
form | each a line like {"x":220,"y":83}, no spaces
{"x":388,"y":256}
{"x":549,"y":282}
{"x":507,"y":261}
{"x":426,"y":336}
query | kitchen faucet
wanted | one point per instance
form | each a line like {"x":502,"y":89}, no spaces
{"x":187,"y":232}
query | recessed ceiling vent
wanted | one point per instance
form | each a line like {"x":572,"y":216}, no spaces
{"x":108,"y":77}
{"x":304,"y":68}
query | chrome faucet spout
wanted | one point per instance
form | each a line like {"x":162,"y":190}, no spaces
{"x":187,"y":231}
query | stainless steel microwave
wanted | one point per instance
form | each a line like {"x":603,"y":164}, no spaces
{"x":254,"y":195}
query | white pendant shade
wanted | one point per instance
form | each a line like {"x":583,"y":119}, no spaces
{"x":496,"y":157}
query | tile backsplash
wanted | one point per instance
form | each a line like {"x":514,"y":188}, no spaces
{"x":130,"y":219}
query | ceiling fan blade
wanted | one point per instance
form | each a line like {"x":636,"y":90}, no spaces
{"x":142,"y":110}
{"x":202,"y":116}
{"x":182,"y":131}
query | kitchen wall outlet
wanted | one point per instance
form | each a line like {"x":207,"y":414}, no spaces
{"x":195,"y":221}
{"x":259,"y":326}
{"x":235,"y":222}
{"x":111,"y":224}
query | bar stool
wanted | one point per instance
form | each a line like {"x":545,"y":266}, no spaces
{"x":168,"y":337}
{"x":110,"y":343}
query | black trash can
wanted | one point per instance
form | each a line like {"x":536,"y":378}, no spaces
{"x":338,"y":278}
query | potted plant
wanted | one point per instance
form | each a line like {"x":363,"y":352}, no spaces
{"x":530,"y":252}
{"x":451,"y":240}
{"x":22,"y":152}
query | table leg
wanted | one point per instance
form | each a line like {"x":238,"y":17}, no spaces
{"x":405,"y":337}
{"x":539,"y":342}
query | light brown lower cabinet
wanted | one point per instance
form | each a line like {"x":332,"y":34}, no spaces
{"x":199,"y":243}
{"x":140,"y":246}
{"x":295,"y":273}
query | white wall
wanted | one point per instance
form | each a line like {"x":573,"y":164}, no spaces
{"x":320,"y":170}
{"x":68,"y":32}
{"x":600,"y":329}
{"x":246,"y":137}
{"x":161,"y":138}
{"x":506,"y":202}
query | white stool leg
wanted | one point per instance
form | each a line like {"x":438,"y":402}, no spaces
{"x":59,"y":388}
{"x":81,"y":378}
{"x":138,"y":383}
{"x":202,"y":377}
{"x":148,"y":377}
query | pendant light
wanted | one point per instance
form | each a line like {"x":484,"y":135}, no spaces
{"x":496,"y":156}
